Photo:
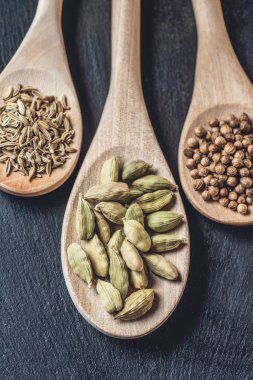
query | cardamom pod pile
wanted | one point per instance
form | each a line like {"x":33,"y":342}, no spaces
{"x":123,"y":231}
{"x":35,"y":132}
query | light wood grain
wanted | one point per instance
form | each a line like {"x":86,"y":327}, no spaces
{"x":221,"y":87}
{"x":41,"y":62}
{"x":125,"y":131}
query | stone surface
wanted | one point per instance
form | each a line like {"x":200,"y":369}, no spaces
{"x":42,"y":335}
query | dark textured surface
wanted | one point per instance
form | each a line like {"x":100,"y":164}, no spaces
{"x":42,"y":335}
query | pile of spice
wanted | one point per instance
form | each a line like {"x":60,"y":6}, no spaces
{"x":35,"y":132}
{"x":220,"y":159}
{"x":116,"y":222}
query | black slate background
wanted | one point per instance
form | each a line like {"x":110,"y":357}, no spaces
{"x":42,"y":335}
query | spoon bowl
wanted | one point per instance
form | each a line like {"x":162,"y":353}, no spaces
{"x":126,"y":132}
{"x":221,"y":88}
{"x":41,"y":62}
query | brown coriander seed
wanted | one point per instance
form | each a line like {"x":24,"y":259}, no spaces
{"x":244,"y":172}
{"x":246,"y":182}
{"x":220,"y":168}
{"x":213,"y":122}
{"x":246,"y":143}
{"x":200,"y":131}
{"x":215,"y":134}
{"x":214,"y":182}
{"x":251,"y":172}
{"x":229,"y":148}
{"x":205,"y":161}
{"x":225,"y":160}
{"x":242,"y":209}
{"x":204,"y":148}
{"x":241,"y":199}
{"x":249,"y":200}
{"x":216,"y":157}
{"x":230,"y":137}
{"x":234,"y":123}
{"x":222,"y":122}
{"x":188,"y":152}
{"x":232,"y":196}
{"x":239,"y":188}
{"x":233,"y":205}
{"x":229,"y":117}
{"x":239,"y":154}
{"x":192,"y":143}
{"x":238,"y":144}
{"x":212,"y":167}
{"x":247,"y":163}
{"x":206,"y":195}
{"x":223,"y":192}
{"x":214,"y":191}
{"x":197,"y":156}
{"x":249,"y":192}
{"x":202,"y":171}
{"x":190,"y":163}
{"x":198,"y":184}
{"x":213,"y":148}
{"x":194,"y":173}
{"x":232,"y":171}
{"x":237,"y":162}
{"x":245,"y":126}
{"x":224,"y":201}
{"x":207,"y":179}
{"x":220,"y":141}
{"x":222,"y":179}
{"x":225,"y":129}
{"x":250,"y":149}
{"x":215,"y":130}
{"x":238,"y":137}
{"x":232,"y":181}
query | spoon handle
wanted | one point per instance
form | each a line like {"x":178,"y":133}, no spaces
{"x":44,"y":36}
{"x":218,"y":72}
{"x":125,"y":44}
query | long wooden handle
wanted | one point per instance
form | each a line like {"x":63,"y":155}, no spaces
{"x":125,"y":41}
{"x":219,"y":77}
{"x":49,"y":9}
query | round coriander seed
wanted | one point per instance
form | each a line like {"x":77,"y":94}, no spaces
{"x":239,"y":188}
{"x":237,"y":163}
{"x":190,"y":163}
{"x":242,"y":209}
{"x":224,"y":201}
{"x":249,"y":200}
{"x":216,"y":157}
{"x":247,"y":163}
{"x":194,"y":173}
{"x":220,"y":168}
{"x":241,"y":199}
{"x":246,"y":142}
{"x":232,"y":196}
{"x":192,"y":142}
{"x":188,"y":152}
{"x":250,"y":149}
{"x":225,"y":129}
{"x":244,"y":172}
{"x":229,"y":148}
{"x":206,"y":195}
{"x":200,"y":131}
{"x":205,"y":161}
{"x":232,"y":181}
{"x":198,"y":184}
{"x":223,"y":192}
{"x":197,"y":156}
{"x":232,"y":205}
{"x":246,"y":182}
{"x":231,"y":171}
{"x":214,"y":182}
{"x":245,"y":127}
{"x":204,"y":148}
{"x":207,"y":179}
{"x":225,"y":160}
{"x":213,"y":122}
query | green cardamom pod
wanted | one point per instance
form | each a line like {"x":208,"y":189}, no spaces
{"x":139,"y":280}
{"x":80,"y":263}
{"x":152,"y":202}
{"x":113,"y":191}
{"x":136,"y":305}
{"x":160,"y":266}
{"x":133,"y":193}
{"x":131,"y":256}
{"x":153,"y":182}
{"x":163,"y":221}
{"x":137,"y":235}
{"x":134,"y":212}
{"x":110,"y":170}
{"x":166,"y":242}
{"x":113,"y":211}
{"x":116,"y":240}
{"x":134,"y":169}
{"x":85,"y":219}
{"x":109,"y":296}
{"x":103,"y":228}
{"x":118,"y":272}
{"x":97,"y":255}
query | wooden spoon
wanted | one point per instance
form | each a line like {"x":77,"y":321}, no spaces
{"x":221,"y":88}
{"x":41,"y":62}
{"x":124,"y":131}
